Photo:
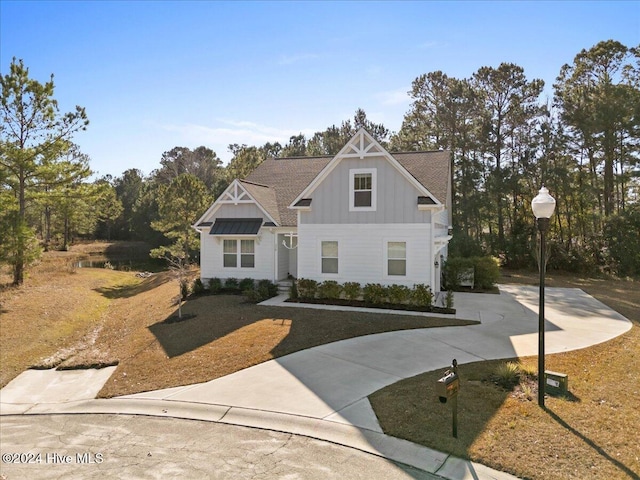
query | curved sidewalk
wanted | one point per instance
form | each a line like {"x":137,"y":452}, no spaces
{"x":322,"y":392}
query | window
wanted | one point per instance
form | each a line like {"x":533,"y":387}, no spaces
{"x":362,"y":189}
{"x":397,"y":258}
{"x":230,"y":254}
{"x":247,"y":254}
{"x":329,"y":257}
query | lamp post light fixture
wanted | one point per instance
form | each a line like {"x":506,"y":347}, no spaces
{"x":543,"y":206}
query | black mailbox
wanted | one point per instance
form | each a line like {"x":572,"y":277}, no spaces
{"x":447,"y":386}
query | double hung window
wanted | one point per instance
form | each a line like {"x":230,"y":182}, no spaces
{"x":232,"y":256}
{"x":329,"y":257}
{"x":397,"y":258}
{"x":362,"y":189}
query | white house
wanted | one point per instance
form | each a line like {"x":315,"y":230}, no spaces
{"x":364,"y":215}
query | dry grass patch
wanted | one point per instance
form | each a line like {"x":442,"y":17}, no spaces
{"x":226,"y":334}
{"x":53,"y":314}
{"x":593,"y":433}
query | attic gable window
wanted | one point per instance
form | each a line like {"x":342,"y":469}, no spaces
{"x":362,"y":189}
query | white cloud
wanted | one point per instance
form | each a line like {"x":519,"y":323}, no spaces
{"x":394,"y":97}
{"x":232,"y":131}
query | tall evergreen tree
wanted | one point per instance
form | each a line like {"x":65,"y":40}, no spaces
{"x":33,"y":136}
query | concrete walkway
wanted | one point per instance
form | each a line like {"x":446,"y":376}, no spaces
{"x":322,"y":392}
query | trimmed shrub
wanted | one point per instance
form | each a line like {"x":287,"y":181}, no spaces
{"x":351,"y":290}
{"x":421,"y":295}
{"x":231,"y":283}
{"x":454,"y":269}
{"x":198,"y":287}
{"x":398,"y":293}
{"x":329,"y":289}
{"x":374,"y":293}
{"x":307,"y":288}
{"x":246,"y":284}
{"x":264,"y":290}
{"x":269,"y":287}
{"x":215,"y":285}
{"x":487,"y":272}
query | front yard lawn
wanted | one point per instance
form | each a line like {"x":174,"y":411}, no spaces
{"x":100,"y":317}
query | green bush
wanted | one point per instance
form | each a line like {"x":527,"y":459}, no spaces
{"x":198,"y":287}
{"x":448,"y":299}
{"x":215,"y":284}
{"x":329,"y":289}
{"x":231,"y":283}
{"x":246,"y":284}
{"x":268,"y":287}
{"x":398,"y":293}
{"x":293,"y":291}
{"x":351,"y":290}
{"x":374,"y":293}
{"x":307,"y":288}
{"x":264,"y":290}
{"x":486,"y":272}
{"x":453,"y":271}
{"x":421,"y":295}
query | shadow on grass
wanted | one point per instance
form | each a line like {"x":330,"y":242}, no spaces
{"x":222,"y":315}
{"x":593,"y":445}
{"x":127,"y":291}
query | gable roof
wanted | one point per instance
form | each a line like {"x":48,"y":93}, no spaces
{"x":431,"y":169}
{"x":362,"y":145}
{"x":286,"y":178}
{"x":277,"y":182}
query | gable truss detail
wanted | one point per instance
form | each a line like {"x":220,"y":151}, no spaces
{"x":360,"y":147}
{"x":235,"y":195}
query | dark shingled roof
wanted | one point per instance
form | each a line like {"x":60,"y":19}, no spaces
{"x":287,"y":178}
{"x":276,"y":183}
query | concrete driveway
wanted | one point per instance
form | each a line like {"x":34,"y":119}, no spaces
{"x":322,"y":392}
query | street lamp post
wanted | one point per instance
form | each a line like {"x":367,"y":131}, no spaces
{"x":543,"y":206}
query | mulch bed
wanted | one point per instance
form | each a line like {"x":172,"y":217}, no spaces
{"x":361,"y":303}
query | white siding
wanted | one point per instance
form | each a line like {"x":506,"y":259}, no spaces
{"x":362,"y":252}
{"x":211,"y":258}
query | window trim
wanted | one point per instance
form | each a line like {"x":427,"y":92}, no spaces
{"x":238,"y":254}
{"x":322,"y":257}
{"x":387,"y":258}
{"x":374,"y":180}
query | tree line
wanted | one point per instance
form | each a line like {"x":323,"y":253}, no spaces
{"x":505,"y":139}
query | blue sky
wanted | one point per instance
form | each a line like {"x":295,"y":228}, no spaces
{"x":155,"y":75}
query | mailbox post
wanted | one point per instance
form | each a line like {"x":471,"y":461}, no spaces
{"x":447,"y":388}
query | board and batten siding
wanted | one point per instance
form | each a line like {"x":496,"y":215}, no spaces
{"x":242,"y":210}
{"x":396,"y":198}
{"x":362,"y":252}
{"x":211,"y":259}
